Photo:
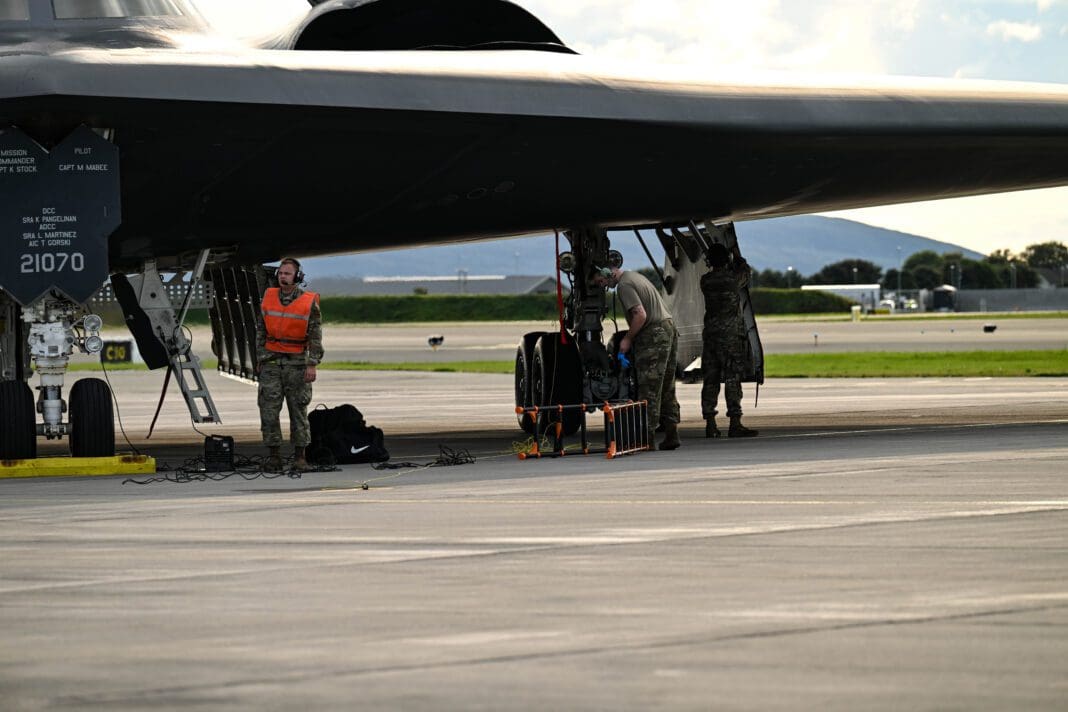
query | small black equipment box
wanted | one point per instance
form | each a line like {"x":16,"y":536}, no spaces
{"x":219,"y":453}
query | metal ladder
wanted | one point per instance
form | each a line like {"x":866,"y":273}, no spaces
{"x":185,"y":365}
{"x":186,"y":370}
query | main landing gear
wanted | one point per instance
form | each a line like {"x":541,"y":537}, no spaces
{"x":573,"y":365}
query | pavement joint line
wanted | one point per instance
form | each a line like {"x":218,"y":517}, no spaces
{"x":911,"y":428}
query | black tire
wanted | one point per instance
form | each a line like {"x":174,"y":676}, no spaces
{"x":524,"y":355}
{"x":557,"y":379}
{"x":18,"y":432}
{"x":92,"y":420}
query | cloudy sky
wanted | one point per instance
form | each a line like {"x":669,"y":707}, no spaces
{"x":982,"y":39}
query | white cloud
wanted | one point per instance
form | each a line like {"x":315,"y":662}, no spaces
{"x":976,"y":70}
{"x":827,"y":35}
{"x":1018,"y":31}
{"x":905,"y":15}
{"x":717,"y":33}
{"x":251,"y":18}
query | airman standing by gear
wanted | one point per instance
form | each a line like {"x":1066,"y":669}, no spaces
{"x":725,"y":352}
{"x":289,"y":338}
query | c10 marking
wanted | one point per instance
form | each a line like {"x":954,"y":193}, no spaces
{"x":53,"y":262}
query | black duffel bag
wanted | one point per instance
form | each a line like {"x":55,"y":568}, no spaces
{"x":342,"y":436}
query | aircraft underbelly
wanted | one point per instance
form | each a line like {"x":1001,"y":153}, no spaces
{"x":257,"y":177}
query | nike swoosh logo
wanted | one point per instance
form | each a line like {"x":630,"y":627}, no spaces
{"x":357,"y":452}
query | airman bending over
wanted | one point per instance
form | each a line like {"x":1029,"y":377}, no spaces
{"x":652,"y":336}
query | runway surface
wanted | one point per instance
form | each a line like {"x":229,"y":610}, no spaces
{"x":497,"y":341}
{"x":884,"y":544}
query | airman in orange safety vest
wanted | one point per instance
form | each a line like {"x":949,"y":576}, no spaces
{"x":289,"y":339}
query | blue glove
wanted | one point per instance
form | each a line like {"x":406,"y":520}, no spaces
{"x":623,"y":360}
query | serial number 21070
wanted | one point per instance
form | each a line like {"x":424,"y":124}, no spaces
{"x":52,"y":262}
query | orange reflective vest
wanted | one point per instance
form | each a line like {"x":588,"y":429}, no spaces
{"x":287,"y":326}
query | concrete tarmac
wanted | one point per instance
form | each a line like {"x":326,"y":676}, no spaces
{"x":884,"y":544}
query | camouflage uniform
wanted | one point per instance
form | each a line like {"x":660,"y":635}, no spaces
{"x":282,"y":378}
{"x":726,"y":348}
{"x":655,"y":352}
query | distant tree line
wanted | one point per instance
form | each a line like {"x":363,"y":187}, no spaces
{"x":927,"y":269}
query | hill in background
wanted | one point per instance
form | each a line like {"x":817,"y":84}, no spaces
{"x":806,"y":243}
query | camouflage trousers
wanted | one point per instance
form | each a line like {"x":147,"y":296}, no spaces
{"x":655,"y":353}
{"x":278,"y":383}
{"x":721,"y":362}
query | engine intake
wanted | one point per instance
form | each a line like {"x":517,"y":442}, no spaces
{"x":382,"y":25}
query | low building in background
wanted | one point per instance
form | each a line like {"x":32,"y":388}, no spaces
{"x":866,"y":295}
{"x":460,"y":284}
{"x":1012,"y":300}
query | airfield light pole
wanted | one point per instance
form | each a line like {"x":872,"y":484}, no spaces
{"x":854,"y":274}
{"x":953,"y":275}
{"x":899,"y":273}
{"x":789,"y":282}
{"x":1012,"y":275}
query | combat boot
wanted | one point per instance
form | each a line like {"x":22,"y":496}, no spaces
{"x":274,"y":460}
{"x":671,"y":437}
{"x":711,"y":431}
{"x":737,"y":430}
{"x":300,"y":464}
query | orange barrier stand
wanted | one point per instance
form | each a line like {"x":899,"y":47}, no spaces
{"x":626,"y":428}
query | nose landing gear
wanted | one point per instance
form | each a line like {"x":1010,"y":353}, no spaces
{"x":55,"y":328}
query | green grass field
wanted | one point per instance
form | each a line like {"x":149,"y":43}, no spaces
{"x":926,"y":316}
{"x":443,"y":367}
{"x":915,"y":364}
{"x":832,"y":365}
{"x":865,"y":364}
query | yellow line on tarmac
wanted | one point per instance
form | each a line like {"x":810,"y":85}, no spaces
{"x":78,"y":466}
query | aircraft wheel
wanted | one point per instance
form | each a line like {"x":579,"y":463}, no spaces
{"x":18,"y":432}
{"x":557,"y":378}
{"x":524,"y":355}
{"x":92,"y":421}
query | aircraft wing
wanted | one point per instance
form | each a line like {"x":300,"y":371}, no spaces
{"x":344,"y":151}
